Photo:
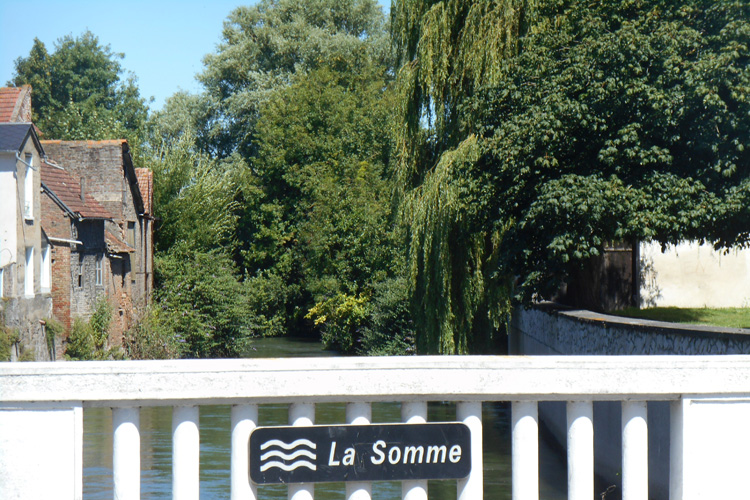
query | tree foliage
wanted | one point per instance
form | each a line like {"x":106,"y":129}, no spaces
{"x":78,"y":93}
{"x":597,"y":122}
{"x":282,"y":165}
{"x":320,"y":224}
{"x":264,"y":45}
{"x":194,"y":197}
{"x":622,"y":121}
{"x":200,"y":299}
{"x":447,"y":50}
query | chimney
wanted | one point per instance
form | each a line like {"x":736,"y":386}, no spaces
{"x":24,"y":111}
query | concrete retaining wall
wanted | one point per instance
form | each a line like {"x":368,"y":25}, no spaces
{"x":552,"y":330}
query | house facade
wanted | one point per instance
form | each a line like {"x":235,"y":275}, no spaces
{"x":74,"y":224}
{"x":74,"y":228}
{"x":25,"y":250}
{"x":116,"y":260}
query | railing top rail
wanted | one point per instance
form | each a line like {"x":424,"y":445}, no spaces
{"x":338,"y":379}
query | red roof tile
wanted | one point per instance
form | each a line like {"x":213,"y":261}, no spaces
{"x":8,"y":99}
{"x":68,"y":190}
{"x":15,"y":104}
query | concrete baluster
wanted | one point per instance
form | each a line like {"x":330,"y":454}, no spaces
{"x":525,"y":455}
{"x":185,"y":453}
{"x":244,"y":420}
{"x":414,"y":413}
{"x":302,"y":415}
{"x":470,"y":413}
{"x":580,"y":450}
{"x":676,"y":449}
{"x":358,"y":414}
{"x":634,"y":450}
{"x":126,"y":457}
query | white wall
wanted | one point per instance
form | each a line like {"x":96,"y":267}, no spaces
{"x":693,"y":275}
{"x":8,"y":209}
{"x":715,"y":441}
{"x":41,"y":453}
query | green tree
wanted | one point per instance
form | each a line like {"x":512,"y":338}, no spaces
{"x":78,"y":92}
{"x":264,"y":45}
{"x":194,"y":197}
{"x":627,"y":121}
{"x":201,"y":302}
{"x":321,"y":219}
{"x":606,"y":121}
{"x":446,"y":51}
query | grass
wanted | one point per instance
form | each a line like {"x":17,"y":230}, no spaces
{"x":724,"y":317}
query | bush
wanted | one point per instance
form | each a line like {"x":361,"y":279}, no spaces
{"x":8,"y":337}
{"x":54,"y":330}
{"x":390,"y":331}
{"x":80,"y":342}
{"x":202,"y":303}
{"x":342,"y":317}
{"x":88,"y":339}
{"x":152,"y":338}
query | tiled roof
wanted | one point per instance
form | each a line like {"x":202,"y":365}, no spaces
{"x":9,"y":97}
{"x":68,"y":191}
{"x":146,"y":186}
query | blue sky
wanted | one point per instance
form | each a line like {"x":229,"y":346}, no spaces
{"x":163,"y":41}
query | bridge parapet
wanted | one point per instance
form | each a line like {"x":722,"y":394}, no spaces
{"x":41,"y":409}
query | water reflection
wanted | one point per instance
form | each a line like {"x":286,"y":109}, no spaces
{"x":215,"y":436}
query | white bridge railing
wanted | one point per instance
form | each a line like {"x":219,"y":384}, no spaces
{"x":41,"y":425}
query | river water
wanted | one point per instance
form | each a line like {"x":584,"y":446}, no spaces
{"x":215,"y":437}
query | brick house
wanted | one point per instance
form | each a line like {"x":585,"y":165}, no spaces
{"x":117,"y":258}
{"x":25,"y":271}
{"x":74,"y":223}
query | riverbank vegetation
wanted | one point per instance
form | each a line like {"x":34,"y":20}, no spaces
{"x":395,"y":187}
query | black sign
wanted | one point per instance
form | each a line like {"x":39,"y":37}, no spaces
{"x":389,"y":452}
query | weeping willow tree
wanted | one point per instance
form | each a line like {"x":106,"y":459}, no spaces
{"x":446,"y":51}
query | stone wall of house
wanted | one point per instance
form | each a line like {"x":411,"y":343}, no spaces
{"x":24,"y":310}
{"x":105,"y":182}
{"x":57,"y":225}
{"x":108,"y":176}
{"x":27,"y":317}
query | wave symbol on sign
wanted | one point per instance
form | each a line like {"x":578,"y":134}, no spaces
{"x":298,"y":451}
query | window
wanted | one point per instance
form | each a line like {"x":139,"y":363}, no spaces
{"x":29,"y":273}
{"x":99,"y":273}
{"x":80,"y":271}
{"x":28,"y":184}
{"x":46,"y":269}
{"x":131,"y":234}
